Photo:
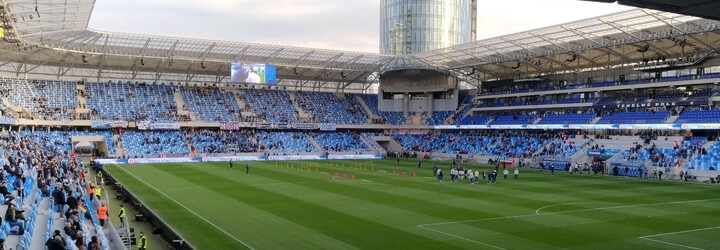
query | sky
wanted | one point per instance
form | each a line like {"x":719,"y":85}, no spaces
{"x":328,"y":24}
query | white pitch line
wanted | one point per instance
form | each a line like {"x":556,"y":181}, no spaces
{"x":459,"y":237}
{"x":670,"y":243}
{"x":555,"y":205}
{"x":230,"y":186}
{"x":679,"y":232}
{"x":571,"y":211}
{"x":427,"y":226}
{"x":186,"y":208}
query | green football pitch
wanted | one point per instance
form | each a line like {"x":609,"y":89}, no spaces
{"x":303,"y":205}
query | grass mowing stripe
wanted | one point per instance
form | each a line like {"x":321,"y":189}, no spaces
{"x":186,"y":208}
{"x":397,"y":181}
{"x":576,"y":229}
{"x":295,"y":194}
{"x":672,"y":244}
{"x":574,"y":211}
{"x":180,"y":219}
{"x":299,"y":178}
{"x":696,"y":238}
{"x":350,"y":229}
{"x":680,"y":232}
{"x":596,"y":184}
{"x":415,"y":204}
{"x":252,"y":225}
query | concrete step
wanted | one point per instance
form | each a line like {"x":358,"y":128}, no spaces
{"x":375,"y":147}
{"x":301,"y":112}
{"x":41,"y":223}
{"x":81,"y":100}
{"x":316,"y":144}
{"x":536,"y":121}
{"x":177,"y":96}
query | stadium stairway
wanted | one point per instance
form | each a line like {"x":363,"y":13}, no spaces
{"x":27,"y":204}
{"x":618,"y":142}
{"x":365,"y":106}
{"x":667,"y":141}
{"x":581,"y":156}
{"x":119,"y":147}
{"x":708,"y":144}
{"x":466,"y":111}
{"x":177,"y":96}
{"x":301,"y":112}
{"x":41,"y":223}
{"x":13,"y":108}
{"x":241,"y":102}
{"x":340,"y":95}
{"x":81,"y":99}
{"x":616,"y":158}
{"x":537,"y":120}
{"x":671,"y":119}
{"x":368,"y":144}
{"x":315,"y":143}
{"x":237,"y":94}
{"x":547,"y":146}
{"x":597,"y":119}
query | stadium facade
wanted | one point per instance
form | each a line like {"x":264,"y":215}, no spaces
{"x":409,"y":27}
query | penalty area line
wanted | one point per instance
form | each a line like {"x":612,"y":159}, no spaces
{"x":572,"y":211}
{"x":649,"y":237}
{"x":186,"y":208}
{"x":460,"y":237}
{"x":670,"y":243}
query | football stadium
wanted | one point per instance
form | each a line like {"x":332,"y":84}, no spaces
{"x":600,"y":133}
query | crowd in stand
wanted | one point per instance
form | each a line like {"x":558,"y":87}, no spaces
{"x":215,"y":142}
{"x":39,"y":169}
{"x":340,"y":142}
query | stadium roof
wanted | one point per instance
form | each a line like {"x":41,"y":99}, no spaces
{"x":613,"y":39}
{"x":702,"y":8}
{"x":55,"y":33}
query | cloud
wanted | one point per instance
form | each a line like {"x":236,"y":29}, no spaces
{"x":349,"y":25}
{"x":498,"y":18}
{"x":332,"y":24}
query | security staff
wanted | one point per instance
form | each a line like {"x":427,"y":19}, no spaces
{"x":100,"y":177}
{"x":98,"y":192}
{"x":655,"y":173}
{"x":122,"y":216}
{"x":102,"y":214}
{"x":142,"y":244}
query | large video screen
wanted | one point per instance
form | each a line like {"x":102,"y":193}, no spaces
{"x":253,"y":73}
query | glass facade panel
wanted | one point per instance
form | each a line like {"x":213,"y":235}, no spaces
{"x":414,"y":26}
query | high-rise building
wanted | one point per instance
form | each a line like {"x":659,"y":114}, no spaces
{"x":414,"y":26}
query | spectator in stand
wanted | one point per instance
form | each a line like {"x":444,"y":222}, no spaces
{"x":56,"y":242}
{"x":19,"y":186}
{"x":93,"y":244}
{"x":6,"y":193}
{"x":13,"y":217}
{"x":74,"y":233}
{"x":59,"y":199}
{"x":71,"y":201}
